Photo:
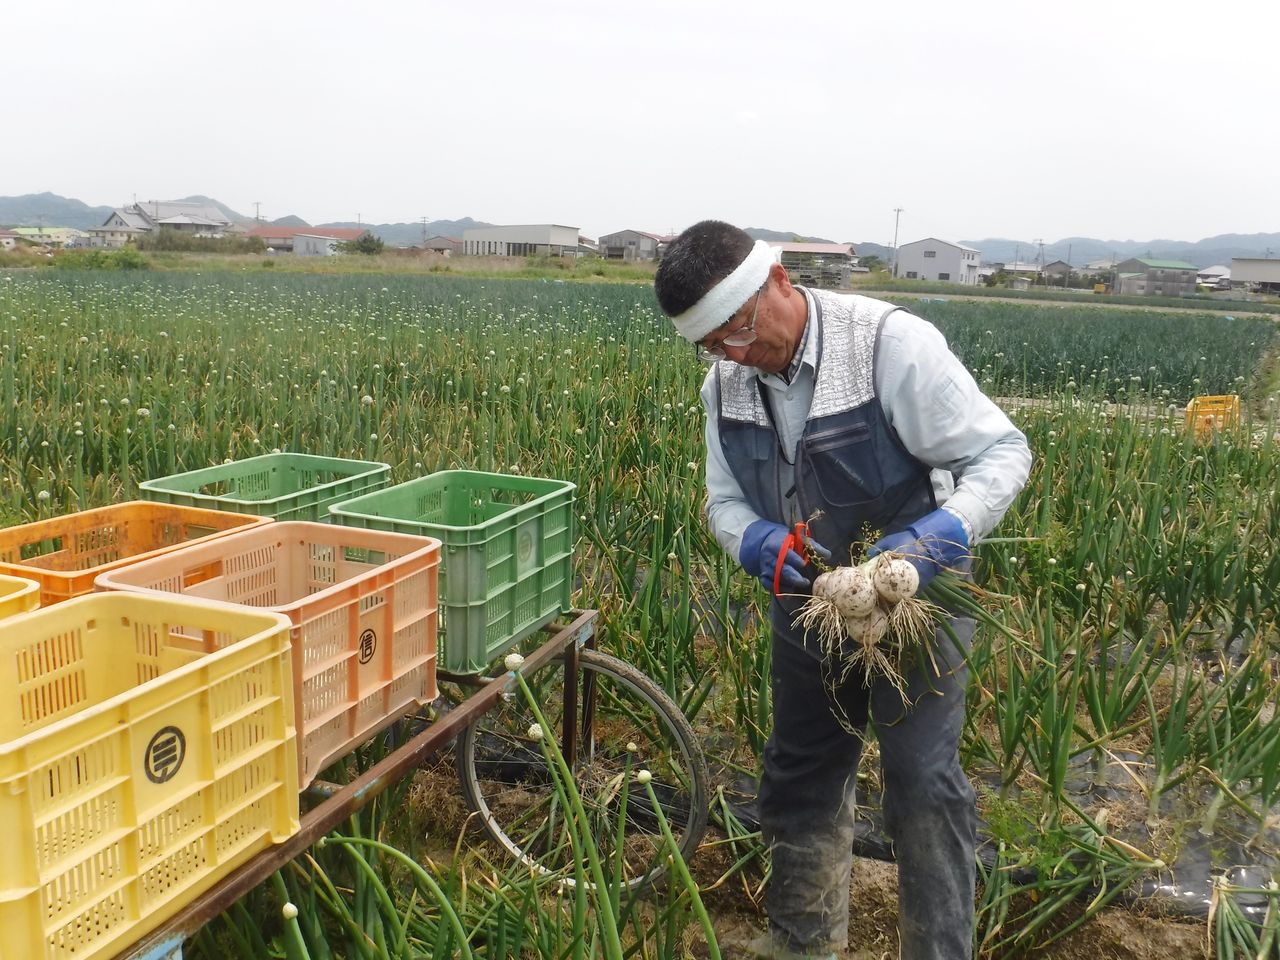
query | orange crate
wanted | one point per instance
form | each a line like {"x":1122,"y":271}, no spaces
{"x":64,"y":554}
{"x":363,"y":605}
{"x":1210,"y":415}
{"x":147,"y":750}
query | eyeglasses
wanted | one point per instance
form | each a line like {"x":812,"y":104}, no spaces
{"x":738,"y":338}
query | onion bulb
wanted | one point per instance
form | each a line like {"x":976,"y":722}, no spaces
{"x":895,"y":579}
{"x":869,"y":630}
{"x":849,"y":588}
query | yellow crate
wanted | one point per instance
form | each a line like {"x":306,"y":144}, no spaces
{"x":17,"y":595}
{"x":147,"y":749}
{"x":1210,"y":415}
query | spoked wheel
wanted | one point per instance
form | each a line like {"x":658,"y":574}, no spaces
{"x":507,"y":781}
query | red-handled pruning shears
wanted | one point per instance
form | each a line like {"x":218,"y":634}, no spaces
{"x":795,"y":540}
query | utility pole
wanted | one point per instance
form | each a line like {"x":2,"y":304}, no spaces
{"x":897,"y":212}
{"x":257,"y":211}
{"x":424,"y":233}
{"x":1067,"y":276}
{"x":1039,"y":261}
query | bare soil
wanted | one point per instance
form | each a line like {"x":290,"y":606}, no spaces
{"x":1118,"y":933}
{"x":1115,"y":934}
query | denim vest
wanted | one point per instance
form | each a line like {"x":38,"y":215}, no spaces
{"x":853,"y":476}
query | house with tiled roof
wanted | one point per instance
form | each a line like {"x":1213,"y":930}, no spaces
{"x":1142,"y":276}
{"x":125,"y":223}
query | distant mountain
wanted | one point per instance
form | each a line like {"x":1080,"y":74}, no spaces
{"x":50,"y":210}
{"x":759,"y":233}
{"x":1208,"y":252}
{"x":411,"y":234}
{"x":873,"y":250}
{"x":289,"y":221}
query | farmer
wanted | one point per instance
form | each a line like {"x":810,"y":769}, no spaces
{"x":851,"y":414}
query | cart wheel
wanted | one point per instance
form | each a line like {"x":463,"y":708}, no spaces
{"x":506,"y":779}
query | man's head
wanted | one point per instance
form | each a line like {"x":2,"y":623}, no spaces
{"x":696,"y":261}
{"x":721,"y":288}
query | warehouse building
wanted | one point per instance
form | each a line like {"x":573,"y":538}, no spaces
{"x":826,"y":265}
{"x":1256,"y":273}
{"x":1155,"y":278}
{"x":521,"y":240}
{"x":629,"y":245}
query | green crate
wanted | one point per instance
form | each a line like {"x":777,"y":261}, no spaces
{"x":506,"y":566}
{"x":285,"y":486}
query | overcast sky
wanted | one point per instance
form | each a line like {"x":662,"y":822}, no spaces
{"x":1118,"y":120}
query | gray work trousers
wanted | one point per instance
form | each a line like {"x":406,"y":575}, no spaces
{"x":807,"y":799}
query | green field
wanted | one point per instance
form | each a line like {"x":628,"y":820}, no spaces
{"x":1122,"y":723}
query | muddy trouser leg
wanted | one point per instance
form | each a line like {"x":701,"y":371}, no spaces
{"x":806,"y":800}
{"x":928,"y":803}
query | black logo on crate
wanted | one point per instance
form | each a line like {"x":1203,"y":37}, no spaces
{"x":368,"y":644}
{"x":165,"y":753}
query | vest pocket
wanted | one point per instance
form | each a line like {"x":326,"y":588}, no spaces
{"x":845,"y":466}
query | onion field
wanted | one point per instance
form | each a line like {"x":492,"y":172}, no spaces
{"x":1123,"y":730}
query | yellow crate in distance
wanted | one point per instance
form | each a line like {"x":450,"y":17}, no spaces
{"x":147,"y":749}
{"x":1212,"y":414}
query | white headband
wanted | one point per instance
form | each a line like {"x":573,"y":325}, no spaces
{"x":723,"y":300}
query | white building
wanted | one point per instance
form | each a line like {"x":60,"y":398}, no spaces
{"x":1256,"y":273}
{"x":521,"y":240}
{"x":282,"y":238}
{"x":315,"y":245}
{"x":934,"y":259}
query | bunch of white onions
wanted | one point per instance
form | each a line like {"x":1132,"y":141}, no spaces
{"x":873,"y":605}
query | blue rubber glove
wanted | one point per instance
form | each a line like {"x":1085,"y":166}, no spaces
{"x":762,"y":542}
{"x":935,"y":542}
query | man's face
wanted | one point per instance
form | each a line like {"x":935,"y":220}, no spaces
{"x":776,"y":336}
{"x":734,"y":332}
